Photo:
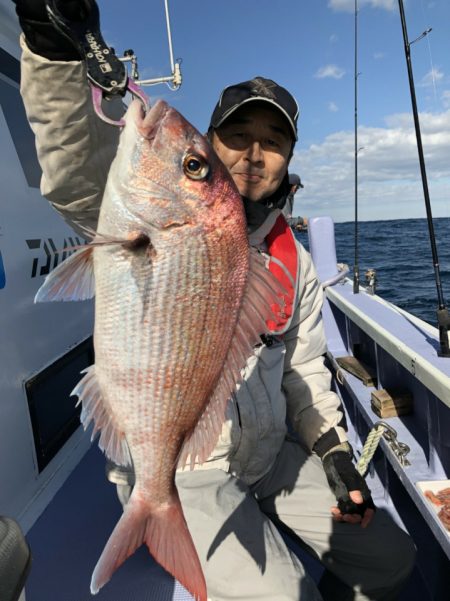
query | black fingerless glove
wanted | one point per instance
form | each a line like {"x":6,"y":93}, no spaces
{"x":343,"y":477}
{"x":41,"y":36}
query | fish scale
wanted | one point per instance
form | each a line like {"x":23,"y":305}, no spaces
{"x":181,"y":321}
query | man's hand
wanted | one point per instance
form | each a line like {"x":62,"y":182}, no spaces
{"x":355,"y":504}
{"x":41,"y":37}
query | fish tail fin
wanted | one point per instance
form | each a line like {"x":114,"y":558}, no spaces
{"x":167,"y":537}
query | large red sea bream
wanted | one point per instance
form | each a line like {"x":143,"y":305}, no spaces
{"x":180,"y":301}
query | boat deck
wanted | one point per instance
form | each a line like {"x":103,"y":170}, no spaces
{"x":68,"y":538}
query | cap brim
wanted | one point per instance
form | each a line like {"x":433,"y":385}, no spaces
{"x":259,"y":99}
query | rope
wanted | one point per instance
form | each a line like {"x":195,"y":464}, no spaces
{"x":370,"y":446}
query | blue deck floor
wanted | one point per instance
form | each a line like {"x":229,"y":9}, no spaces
{"x":68,"y":538}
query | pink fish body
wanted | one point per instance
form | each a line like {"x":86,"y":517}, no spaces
{"x":180,"y":301}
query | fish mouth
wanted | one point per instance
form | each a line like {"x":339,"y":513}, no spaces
{"x":148,"y":123}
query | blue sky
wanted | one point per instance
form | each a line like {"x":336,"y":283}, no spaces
{"x":308,"y":46}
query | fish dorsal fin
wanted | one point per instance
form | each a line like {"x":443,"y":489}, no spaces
{"x":261,"y":304}
{"x":72,"y":280}
{"x":112,"y":440}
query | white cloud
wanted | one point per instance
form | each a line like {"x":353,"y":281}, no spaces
{"x":330,"y":71}
{"x":445,"y":97}
{"x":333,"y":107}
{"x":389,"y":176}
{"x":349,"y":5}
{"x":432,"y":77}
{"x":379,"y":55}
{"x":333,"y":38}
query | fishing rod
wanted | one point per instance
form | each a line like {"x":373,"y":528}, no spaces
{"x":356,"y":263}
{"x":442,"y":311}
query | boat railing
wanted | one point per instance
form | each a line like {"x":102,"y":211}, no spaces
{"x":399,"y":352}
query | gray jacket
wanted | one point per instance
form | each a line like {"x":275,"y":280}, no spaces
{"x":286,"y":380}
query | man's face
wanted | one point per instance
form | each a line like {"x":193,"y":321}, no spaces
{"x":255,"y":144}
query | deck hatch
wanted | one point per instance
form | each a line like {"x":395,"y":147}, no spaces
{"x":53,"y":414}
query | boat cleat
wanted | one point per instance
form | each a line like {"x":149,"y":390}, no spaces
{"x":371,"y":281}
{"x":400,"y":449}
{"x":382,"y":429}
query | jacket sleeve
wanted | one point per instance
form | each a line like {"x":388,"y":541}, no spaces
{"x":313,"y":409}
{"x":75,"y":148}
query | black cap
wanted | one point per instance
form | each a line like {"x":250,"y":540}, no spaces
{"x":294,"y":180}
{"x":258,"y":88}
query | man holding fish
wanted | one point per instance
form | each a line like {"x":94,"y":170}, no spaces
{"x":208,"y":339}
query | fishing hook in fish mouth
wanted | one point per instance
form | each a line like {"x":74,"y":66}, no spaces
{"x":134,"y":89}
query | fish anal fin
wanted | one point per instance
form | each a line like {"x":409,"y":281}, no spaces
{"x":262,"y":301}
{"x":72,"y":280}
{"x":167,"y":537}
{"x":94,"y":409}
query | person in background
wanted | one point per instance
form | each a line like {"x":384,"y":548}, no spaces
{"x":258,"y":478}
{"x":297,"y":223}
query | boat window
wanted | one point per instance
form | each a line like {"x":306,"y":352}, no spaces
{"x":16,"y":119}
{"x":54,"y":417}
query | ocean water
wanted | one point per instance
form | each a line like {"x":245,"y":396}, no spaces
{"x":400,"y":252}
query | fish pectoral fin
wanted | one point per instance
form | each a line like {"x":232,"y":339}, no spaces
{"x":262,"y":300}
{"x":200,"y":444}
{"x":72,"y":280}
{"x":167,"y":537}
{"x":112,"y":440}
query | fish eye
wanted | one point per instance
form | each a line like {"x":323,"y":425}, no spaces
{"x":195,"y":167}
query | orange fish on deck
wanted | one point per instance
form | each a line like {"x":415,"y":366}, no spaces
{"x":181,"y":300}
